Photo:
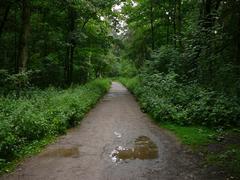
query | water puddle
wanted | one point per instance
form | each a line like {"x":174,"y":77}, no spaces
{"x":144,"y":149}
{"x":118,"y":134}
{"x":62,"y":152}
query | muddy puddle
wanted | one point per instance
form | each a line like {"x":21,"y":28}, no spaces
{"x":62,"y":152}
{"x":144,"y":149}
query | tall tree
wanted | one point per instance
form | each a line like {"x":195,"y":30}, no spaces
{"x":5,"y":16}
{"x":152,"y":23}
{"x":24,"y":35}
{"x":72,"y":16}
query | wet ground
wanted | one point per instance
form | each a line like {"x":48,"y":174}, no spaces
{"x":115,"y":141}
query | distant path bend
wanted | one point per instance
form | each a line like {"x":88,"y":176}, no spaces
{"x":115,"y":141}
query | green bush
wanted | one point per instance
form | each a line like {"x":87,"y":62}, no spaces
{"x":168,"y":100}
{"x":14,"y":82}
{"x":165,"y":60}
{"x":43,"y":113}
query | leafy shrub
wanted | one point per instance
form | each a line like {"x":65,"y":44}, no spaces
{"x":122,"y":67}
{"x":164,"y":60}
{"x":167,"y":100}
{"x":14,"y":83}
{"x":45,"y":113}
{"x":3,"y":77}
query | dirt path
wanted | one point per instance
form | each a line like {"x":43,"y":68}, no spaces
{"x":115,"y":141}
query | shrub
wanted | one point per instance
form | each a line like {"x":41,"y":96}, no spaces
{"x":40,"y":114}
{"x":167,"y":100}
{"x":164,"y":60}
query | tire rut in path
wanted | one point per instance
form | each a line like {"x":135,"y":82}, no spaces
{"x":114,"y":141}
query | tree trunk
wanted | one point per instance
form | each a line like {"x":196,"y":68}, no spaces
{"x":168,"y":34}
{"x":237,"y":42}
{"x":179,"y":23}
{"x":71,"y":46}
{"x":174,"y":24}
{"x":16,"y":63}
{"x":4,"y":18}
{"x":152,"y":25}
{"x":24,"y":35}
{"x":207,"y":25}
{"x":237,"y":51}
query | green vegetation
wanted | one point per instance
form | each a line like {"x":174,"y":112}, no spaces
{"x":187,"y":56}
{"x":26,"y":150}
{"x":227,"y":159}
{"x":193,"y":136}
{"x":160,"y":104}
{"x":169,"y":101}
{"x":43,"y":113}
{"x":180,"y":58}
{"x":48,"y":51}
{"x":57,"y":42}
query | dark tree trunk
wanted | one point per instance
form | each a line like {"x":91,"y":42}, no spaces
{"x":5,"y":16}
{"x":179,"y":23}
{"x":24,"y":35}
{"x":237,"y":51}
{"x":16,"y":65}
{"x":174,"y":25}
{"x":152,"y":25}
{"x":168,"y":34}
{"x":208,"y":15}
{"x":66,"y":67}
{"x":71,"y":46}
{"x":237,"y":41}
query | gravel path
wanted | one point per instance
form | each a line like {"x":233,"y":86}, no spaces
{"x":114,"y":141}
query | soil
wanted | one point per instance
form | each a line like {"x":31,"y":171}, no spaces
{"x":114,"y":141}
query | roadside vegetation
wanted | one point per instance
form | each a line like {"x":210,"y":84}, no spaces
{"x":180,"y":58}
{"x":35,"y":118}
{"x":198,"y":117}
{"x":51,"y":53}
{"x":187,"y":58}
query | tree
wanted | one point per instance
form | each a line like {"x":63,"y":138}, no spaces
{"x":24,"y":36}
{"x":7,"y":7}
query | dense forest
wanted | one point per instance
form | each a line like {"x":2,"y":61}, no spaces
{"x":180,"y":58}
{"x":188,"y":53}
{"x":198,"y":40}
{"x":60,"y":42}
{"x":55,"y":42}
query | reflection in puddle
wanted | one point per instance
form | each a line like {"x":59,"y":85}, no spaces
{"x":118,"y":134}
{"x":62,"y":152}
{"x":144,"y":148}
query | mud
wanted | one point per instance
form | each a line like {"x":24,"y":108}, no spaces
{"x":115,"y":128}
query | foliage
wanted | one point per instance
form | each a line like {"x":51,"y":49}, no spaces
{"x":198,"y":40}
{"x":197,"y":116}
{"x":122,"y":67}
{"x":193,"y":136}
{"x":68,"y":39}
{"x":169,"y":101}
{"x":43,"y":113}
{"x":227,"y":160}
{"x":166,"y":59}
{"x":15,"y":82}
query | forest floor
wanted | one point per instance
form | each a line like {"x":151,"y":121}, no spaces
{"x":114,"y":141}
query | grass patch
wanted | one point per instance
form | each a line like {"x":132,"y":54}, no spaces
{"x":193,"y":136}
{"x":219,"y":149}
